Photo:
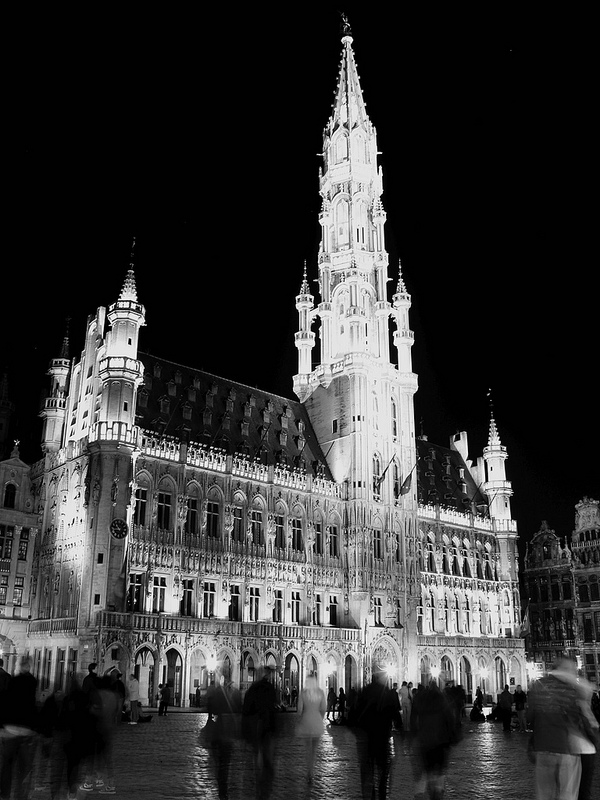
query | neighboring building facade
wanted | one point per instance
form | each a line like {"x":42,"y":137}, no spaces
{"x":189,"y":519}
{"x":562,"y":581}
{"x":19,"y":526}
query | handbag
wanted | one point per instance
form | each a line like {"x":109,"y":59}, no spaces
{"x":207,"y":732}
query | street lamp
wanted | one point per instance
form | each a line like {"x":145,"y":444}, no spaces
{"x":211,"y":665}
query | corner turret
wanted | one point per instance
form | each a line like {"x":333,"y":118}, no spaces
{"x":55,"y":404}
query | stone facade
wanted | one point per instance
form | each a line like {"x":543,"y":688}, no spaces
{"x":190,"y":520}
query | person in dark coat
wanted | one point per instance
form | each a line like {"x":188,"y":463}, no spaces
{"x":259,"y":727}
{"x":20,"y":731}
{"x":91,"y":680}
{"x":505,"y":701}
{"x":331,"y":703}
{"x":165,"y":699}
{"x":376,"y":709}
{"x":341,"y":704}
{"x":436,"y":732}
{"x":224,"y":702}
{"x":5,"y":679}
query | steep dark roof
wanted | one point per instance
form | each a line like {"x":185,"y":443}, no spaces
{"x":192,"y":405}
{"x":444,"y":479}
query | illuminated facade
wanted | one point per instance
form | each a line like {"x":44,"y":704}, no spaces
{"x":563,"y":585}
{"x":19,"y":526}
{"x":189,"y":519}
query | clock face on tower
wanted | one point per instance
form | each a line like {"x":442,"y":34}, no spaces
{"x":118,"y":528}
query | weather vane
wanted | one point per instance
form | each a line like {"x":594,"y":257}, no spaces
{"x":346,"y":30}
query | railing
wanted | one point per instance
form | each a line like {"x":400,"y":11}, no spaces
{"x":221,"y":627}
{"x":60,"y":625}
{"x":466,"y":519}
{"x":437,"y":640}
{"x":114,"y":432}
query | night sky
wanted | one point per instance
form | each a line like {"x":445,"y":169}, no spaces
{"x":198,"y":133}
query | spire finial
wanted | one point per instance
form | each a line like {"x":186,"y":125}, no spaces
{"x":304,"y":288}
{"x":131,"y":263}
{"x":401,"y":289}
{"x":64,"y":351}
{"x":129,"y":290}
{"x":346,"y":29}
{"x":493,"y":436}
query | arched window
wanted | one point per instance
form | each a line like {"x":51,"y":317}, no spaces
{"x":360,"y":223}
{"x":394,"y":413}
{"x":376,"y":477}
{"x":341,"y":219}
{"x":341,"y":148}
{"x":396,"y":475}
{"x":10,"y":494}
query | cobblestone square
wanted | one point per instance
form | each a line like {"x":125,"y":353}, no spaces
{"x":163,"y":760}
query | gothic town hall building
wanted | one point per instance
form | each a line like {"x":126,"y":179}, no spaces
{"x":186,"y":520}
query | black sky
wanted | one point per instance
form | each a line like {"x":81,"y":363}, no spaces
{"x":197,"y":132}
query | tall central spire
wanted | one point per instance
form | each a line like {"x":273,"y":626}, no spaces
{"x":349,"y":107}
{"x":354,"y":310}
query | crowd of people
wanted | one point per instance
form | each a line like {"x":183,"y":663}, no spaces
{"x":67,"y":742}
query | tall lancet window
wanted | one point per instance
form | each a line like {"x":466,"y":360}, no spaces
{"x":396,"y":474}
{"x":341,"y":223}
{"x":394,"y":412}
{"x":360,"y":223}
{"x":341,"y":149}
{"x":376,"y":477}
{"x":359,"y":148}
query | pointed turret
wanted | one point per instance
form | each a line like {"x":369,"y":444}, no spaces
{"x":495,"y":486}
{"x":55,"y":404}
{"x":499,"y":491}
{"x":305,"y":338}
{"x":120,"y":370}
{"x":403,"y":336}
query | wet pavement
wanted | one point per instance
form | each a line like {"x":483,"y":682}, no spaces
{"x":163,"y":760}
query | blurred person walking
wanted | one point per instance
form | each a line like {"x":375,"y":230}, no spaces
{"x":554,"y":714}
{"x":19,"y":734}
{"x":376,"y":708}
{"x":405,"y":704}
{"x":259,"y":726}
{"x":224,"y":703}
{"x":436,"y":730}
{"x":103,"y":720}
{"x":312,"y":705}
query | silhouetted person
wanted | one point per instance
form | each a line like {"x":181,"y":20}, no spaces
{"x":224,"y":702}
{"x":91,"y":680}
{"x":165,"y":699}
{"x":436,"y":731}
{"x":259,"y":724}
{"x":505,"y":701}
{"x":520,"y":703}
{"x":20,"y":730}
{"x":376,"y":708}
{"x":331,"y":703}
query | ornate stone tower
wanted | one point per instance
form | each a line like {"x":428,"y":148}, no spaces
{"x":54,"y":411}
{"x":359,"y":402}
{"x":113,"y":450}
